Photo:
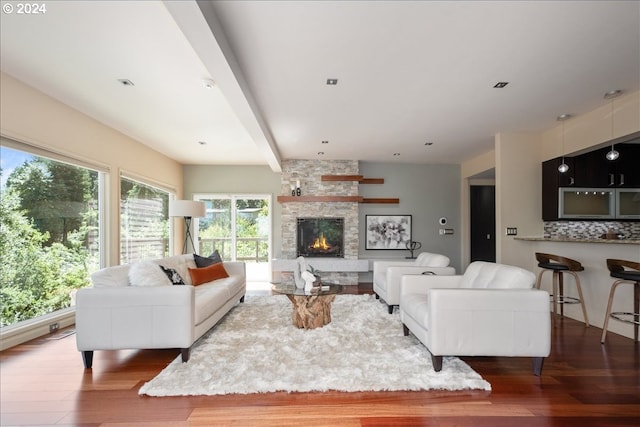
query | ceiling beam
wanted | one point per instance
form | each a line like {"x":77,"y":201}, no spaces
{"x":200,"y":26}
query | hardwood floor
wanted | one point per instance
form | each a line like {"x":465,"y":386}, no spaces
{"x":583,"y":383}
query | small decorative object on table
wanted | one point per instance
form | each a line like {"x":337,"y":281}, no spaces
{"x":309,"y":279}
{"x":412,"y":246}
{"x":301,"y":267}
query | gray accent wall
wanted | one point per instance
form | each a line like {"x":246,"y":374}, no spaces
{"x":427,"y":193}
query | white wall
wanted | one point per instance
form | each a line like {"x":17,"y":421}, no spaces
{"x":518,"y":195}
{"x":614,"y":119}
{"x":32,"y":117}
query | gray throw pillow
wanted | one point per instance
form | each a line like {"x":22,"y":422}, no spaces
{"x":201,"y":261}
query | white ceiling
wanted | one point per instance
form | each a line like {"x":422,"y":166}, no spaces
{"x":408,"y":72}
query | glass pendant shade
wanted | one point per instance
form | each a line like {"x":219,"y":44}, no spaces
{"x":612,"y":154}
{"x":563,"y":167}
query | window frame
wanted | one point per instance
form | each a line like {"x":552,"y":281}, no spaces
{"x":171,"y":192}
{"x":25,"y":330}
{"x":233,"y":197}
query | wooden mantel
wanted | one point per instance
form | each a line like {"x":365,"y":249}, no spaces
{"x":288,"y":199}
{"x":349,"y":199}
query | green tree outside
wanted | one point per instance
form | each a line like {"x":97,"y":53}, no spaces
{"x":47,"y":215}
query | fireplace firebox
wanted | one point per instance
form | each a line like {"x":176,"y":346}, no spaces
{"x":320,"y":237}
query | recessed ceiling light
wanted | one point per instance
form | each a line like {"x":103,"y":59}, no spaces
{"x":563,"y":117}
{"x":332,"y":82}
{"x":208,"y":84}
{"x":126,"y":82}
{"x":500,"y":85}
{"x":202,"y":142}
{"x":612,"y":94}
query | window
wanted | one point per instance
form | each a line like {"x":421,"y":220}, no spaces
{"x":239,"y":227}
{"x":50,"y":234}
{"x":144,"y":223}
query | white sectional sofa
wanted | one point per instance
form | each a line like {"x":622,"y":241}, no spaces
{"x":145,"y":310}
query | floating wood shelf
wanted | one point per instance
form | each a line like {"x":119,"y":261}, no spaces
{"x":372,"y":181}
{"x":353,"y":199}
{"x":341,"y":178}
{"x":390,"y":201}
{"x":359,"y":178}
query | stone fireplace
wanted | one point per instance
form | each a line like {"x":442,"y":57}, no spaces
{"x":309,"y":174}
{"x":320,"y":237}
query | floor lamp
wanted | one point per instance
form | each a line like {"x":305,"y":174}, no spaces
{"x":186,"y":209}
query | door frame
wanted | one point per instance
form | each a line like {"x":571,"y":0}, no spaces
{"x":233,"y":197}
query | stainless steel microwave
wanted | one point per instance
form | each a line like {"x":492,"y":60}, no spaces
{"x":599,"y":203}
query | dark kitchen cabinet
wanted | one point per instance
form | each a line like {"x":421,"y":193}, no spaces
{"x":593,"y":170}
{"x":628,"y":167}
{"x":589,"y":170}
{"x":552,"y":179}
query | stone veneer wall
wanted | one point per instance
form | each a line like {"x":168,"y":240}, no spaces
{"x":309,"y":173}
{"x":591,"y":229}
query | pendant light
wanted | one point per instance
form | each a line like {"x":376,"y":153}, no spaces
{"x":563,"y":168}
{"x":612,"y":154}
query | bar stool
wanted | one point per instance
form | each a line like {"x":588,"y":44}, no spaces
{"x":617,"y":269}
{"x":559,"y":265}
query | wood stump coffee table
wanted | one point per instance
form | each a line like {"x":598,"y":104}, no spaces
{"x":311,"y":309}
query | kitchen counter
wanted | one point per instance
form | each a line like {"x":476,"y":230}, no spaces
{"x":596,"y":282}
{"x":580,"y":240}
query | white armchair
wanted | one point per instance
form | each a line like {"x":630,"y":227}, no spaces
{"x":387,"y":274}
{"x":491,"y":310}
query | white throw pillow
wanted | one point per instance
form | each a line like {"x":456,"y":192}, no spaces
{"x":147,"y":273}
{"x":111,"y":276}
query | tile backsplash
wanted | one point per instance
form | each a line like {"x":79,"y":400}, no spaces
{"x":591,"y":229}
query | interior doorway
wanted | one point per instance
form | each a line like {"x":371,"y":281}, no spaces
{"x":483,"y":222}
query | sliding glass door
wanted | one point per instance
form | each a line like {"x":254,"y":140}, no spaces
{"x":239,"y":228}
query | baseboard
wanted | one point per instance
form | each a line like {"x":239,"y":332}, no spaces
{"x":28,"y":330}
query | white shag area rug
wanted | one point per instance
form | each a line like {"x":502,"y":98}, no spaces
{"x":256,"y":349}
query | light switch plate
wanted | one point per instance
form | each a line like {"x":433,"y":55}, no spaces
{"x":511,"y":231}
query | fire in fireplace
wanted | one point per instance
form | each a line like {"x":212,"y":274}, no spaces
{"x":320,"y":237}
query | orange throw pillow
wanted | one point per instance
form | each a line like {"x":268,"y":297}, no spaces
{"x":207,"y":274}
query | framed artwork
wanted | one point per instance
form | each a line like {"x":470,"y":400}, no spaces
{"x":387,"y":232}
